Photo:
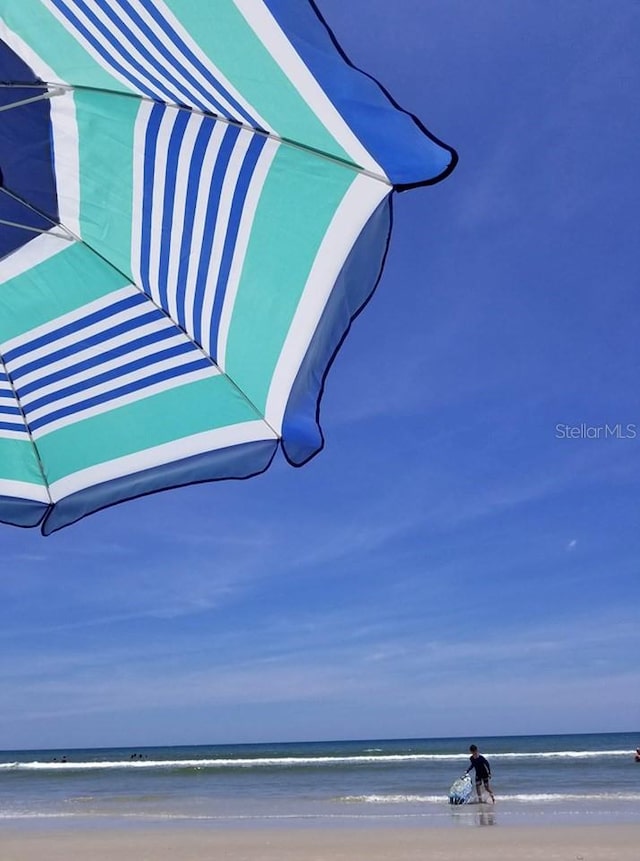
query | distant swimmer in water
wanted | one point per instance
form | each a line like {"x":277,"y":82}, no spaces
{"x":483,"y":772}
{"x":638,"y":754}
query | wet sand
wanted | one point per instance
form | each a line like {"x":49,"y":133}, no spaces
{"x":197,"y":843}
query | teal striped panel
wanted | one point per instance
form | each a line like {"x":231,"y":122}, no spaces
{"x":18,"y":461}
{"x":106,"y":133}
{"x":223,"y":33}
{"x":161,"y":418}
{"x":68,"y":280}
{"x":298,"y":201}
{"x":35,"y":24}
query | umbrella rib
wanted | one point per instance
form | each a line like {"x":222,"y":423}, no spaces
{"x":34,"y":229}
{"x":49,"y":94}
{"x":62,"y":88}
{"x":72,"y":236}
{"x":67,"y":234}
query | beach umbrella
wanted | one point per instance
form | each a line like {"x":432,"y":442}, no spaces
{"x":195,"y":202}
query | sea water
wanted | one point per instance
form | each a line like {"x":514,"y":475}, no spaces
{"x":536,"y":779}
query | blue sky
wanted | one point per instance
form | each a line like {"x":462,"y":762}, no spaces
{"x":448,"y":565}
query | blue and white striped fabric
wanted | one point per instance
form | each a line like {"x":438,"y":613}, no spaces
{"x":195,"y":204}
{"x":12,"y":421}
{"x":103,"y":355}
{"x":199,"y":185}
{"x":145,"y":47}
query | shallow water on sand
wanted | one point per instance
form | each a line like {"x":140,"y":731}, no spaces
{"x":536,"y":779}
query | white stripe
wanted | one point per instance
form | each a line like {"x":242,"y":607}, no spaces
{"x":131,"y":398}
{"x":105,"y":367}
{"x":221,"y":227}
{"x":23,"y":490}
{"x":70,"y":317}
{"x":72,"y":340}
{"x":14,"y":434}
{"x":137,"y":195}
{"x":66,"y":159}
{"x":212,"y":440}
{"x":96,"y":350}
{"x":360,"y":201}
{"x":27,"y":257}
{"x":179,"y":211}
{"x":157,"y":240}
{"x":144,"y":373}
{"x":206,"y":61}
{"x":202,"y":197}
{"x":272,"y":37}
{"x":254,"y":192}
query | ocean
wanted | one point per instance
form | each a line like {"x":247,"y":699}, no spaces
{"x":541,"y":779}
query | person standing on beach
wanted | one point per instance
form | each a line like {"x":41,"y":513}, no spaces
{"x":483,"y":772}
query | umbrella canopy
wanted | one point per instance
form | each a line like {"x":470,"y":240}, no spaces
{"x":195,"y":201}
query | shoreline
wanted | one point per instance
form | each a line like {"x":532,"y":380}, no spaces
{"x":197,"y":842}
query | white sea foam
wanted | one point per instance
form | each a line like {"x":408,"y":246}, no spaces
{"x":392,"y":799}
{"x":301,"y":761}
{"x":522,"y":798}
{"x":564,"y":754}
{"x":28,"y":814}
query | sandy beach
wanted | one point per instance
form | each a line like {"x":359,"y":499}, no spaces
{"x":516,"y":843}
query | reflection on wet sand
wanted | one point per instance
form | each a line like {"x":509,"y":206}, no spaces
{"x":481,"y":817}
